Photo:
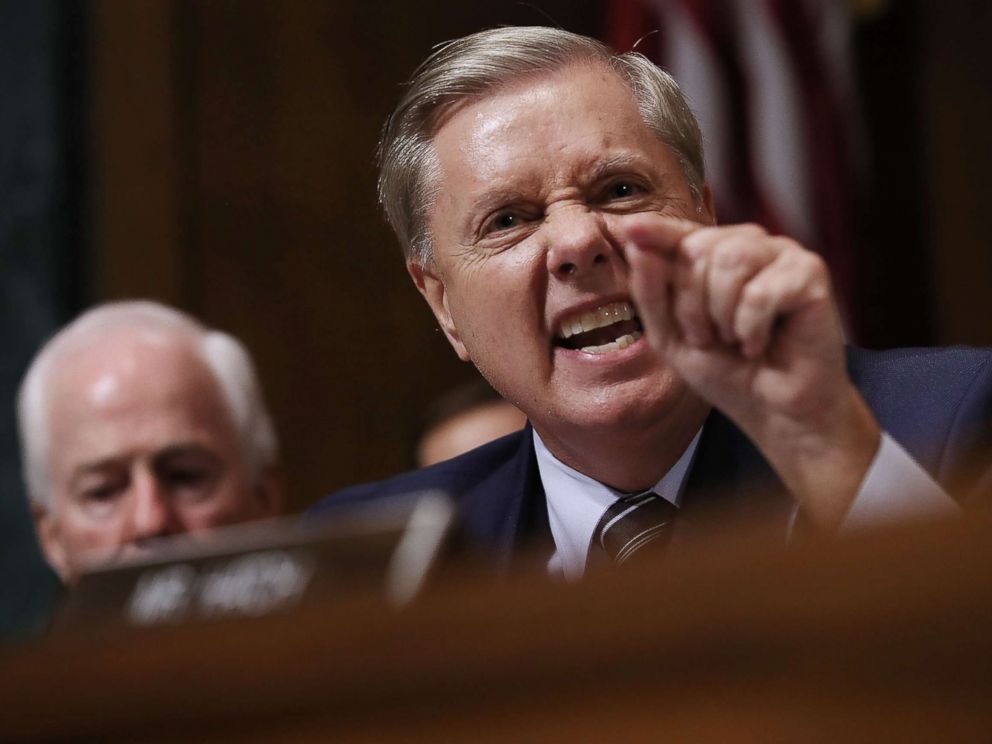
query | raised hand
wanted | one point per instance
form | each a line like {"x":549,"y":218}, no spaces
{"x":749,"y":321}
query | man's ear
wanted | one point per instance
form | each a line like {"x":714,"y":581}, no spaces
{"x":50,"y":540}
{"x":707,"y":207}
{"x":432,"y":288}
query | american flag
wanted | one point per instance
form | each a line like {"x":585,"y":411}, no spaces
{"x":772,"y":84}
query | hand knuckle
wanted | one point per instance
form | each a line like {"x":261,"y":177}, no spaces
{"x":756,"y":295}
{"x":730,"y":255}
{"x":752,"y":230}
{"x":816,"y":263}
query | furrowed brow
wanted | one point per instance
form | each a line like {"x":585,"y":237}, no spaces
{"x":495,"y":198}
{"x":617,"y":163}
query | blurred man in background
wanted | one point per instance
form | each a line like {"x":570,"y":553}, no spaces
{"x":136,"y":423}
{"x":464,"y":418}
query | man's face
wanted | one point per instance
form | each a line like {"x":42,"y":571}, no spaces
{"x":141,"y":446}
{"x":529,"y":281}
{"x":467,"y":430}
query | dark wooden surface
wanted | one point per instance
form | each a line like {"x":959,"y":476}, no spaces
{"x":880,"y":637}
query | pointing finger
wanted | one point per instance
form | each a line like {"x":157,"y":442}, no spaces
{"x":651,"y":277}
{"x":649,"y":232}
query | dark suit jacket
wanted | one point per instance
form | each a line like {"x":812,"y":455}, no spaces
{"x":937,"y":403}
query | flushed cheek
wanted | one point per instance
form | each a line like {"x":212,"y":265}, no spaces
{"x":496,"y":303}
{"x":231,"y":501}
{"x":502,"y":303}
{"x":90,"y":540}
{"x":218,"y":511}
{"x":505,"y":319}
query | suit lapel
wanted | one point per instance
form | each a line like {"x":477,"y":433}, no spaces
{"x":730,"y":479}
{"x":506,"y":514}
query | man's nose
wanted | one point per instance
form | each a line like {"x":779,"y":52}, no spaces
{"x":577,"y":242}
{"x":151,"y":514}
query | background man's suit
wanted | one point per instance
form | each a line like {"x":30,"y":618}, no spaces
{"x":937,"y":403}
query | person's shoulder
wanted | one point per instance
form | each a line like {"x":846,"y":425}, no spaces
{"x":454,"y":476}
{"x":937,"y":403}
{"x":927,"y":398}
{"x":937,"y":370}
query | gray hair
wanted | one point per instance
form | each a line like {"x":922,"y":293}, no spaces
{"x":467,"y":69}
{"x":225,"y":357}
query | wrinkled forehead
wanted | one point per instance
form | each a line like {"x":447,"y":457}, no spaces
{"x":522,"y":84}
{"x":527,"y":115}
{"x":564,"y":128}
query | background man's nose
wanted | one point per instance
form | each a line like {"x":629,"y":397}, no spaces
{"x":151,"y":513}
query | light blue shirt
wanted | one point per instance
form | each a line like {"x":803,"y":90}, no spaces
{"x":895,"y":488}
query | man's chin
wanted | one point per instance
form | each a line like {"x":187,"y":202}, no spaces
{"x":640,"y":401}
{"x":600,"y":418}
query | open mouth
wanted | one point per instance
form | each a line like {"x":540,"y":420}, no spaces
{"x":608,"y":328}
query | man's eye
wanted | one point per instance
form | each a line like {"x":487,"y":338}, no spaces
{"x":101,"y":499}
{"x":101,"y":494}
{"x":187,"y":477}
{"x":622,"y":190}
{"x":502,"y":221}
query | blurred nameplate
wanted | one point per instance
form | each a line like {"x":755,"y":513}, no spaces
{"x":273,"y":566}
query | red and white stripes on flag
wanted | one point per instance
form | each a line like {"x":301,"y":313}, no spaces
{"x":772,"y":84}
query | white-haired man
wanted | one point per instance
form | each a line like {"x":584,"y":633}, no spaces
{"x":551,"y":201}
{"x":136,"y":423}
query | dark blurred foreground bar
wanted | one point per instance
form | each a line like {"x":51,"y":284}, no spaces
{"x":880,"y":637}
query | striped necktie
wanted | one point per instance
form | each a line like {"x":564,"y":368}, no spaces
{"x":633,"y":522}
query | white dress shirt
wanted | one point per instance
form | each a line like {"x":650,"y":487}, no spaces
{"x":894,"y":488}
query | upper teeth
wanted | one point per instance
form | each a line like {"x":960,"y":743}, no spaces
{"x":598,"y":318}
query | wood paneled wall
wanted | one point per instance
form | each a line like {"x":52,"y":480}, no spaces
{"x":235,"y":178}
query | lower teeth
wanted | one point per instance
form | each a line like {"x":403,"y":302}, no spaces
{"x":621,"y":343}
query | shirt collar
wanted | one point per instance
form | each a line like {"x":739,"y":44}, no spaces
{"x":576,"y":502}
